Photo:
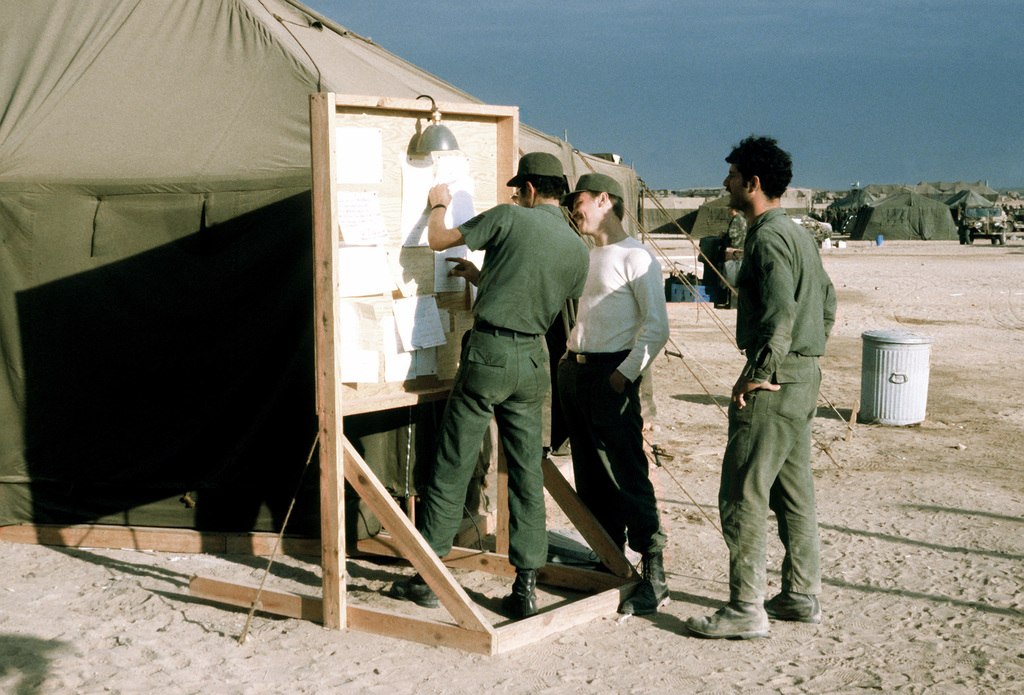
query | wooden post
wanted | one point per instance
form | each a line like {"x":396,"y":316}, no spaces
{"x":328,"y":397}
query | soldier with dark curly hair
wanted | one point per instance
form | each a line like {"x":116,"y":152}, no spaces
{"x":786,"y":309}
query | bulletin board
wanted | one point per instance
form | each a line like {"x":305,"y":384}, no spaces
{"x":389,"y":292}
{"x":364,"y":199}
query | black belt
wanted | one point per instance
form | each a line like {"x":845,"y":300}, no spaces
{"x":484,"y":327}
{"x":597,"y":357}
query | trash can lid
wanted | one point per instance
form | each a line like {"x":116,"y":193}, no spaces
{"x":899,"y":336}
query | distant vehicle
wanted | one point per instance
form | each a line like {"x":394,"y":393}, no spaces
{"x":985,"y":223}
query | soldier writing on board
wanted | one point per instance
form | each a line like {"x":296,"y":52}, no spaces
{"x":534,"y":262}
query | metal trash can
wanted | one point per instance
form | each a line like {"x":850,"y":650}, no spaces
{"x":894,"y":377}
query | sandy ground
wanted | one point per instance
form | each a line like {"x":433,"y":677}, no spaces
{"x":921,"y":527}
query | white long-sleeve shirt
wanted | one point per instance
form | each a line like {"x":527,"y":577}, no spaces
{"x":623,"y":306}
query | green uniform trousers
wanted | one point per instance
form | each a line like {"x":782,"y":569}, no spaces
{"x":767,"y":464}
{"x":504,"y":376}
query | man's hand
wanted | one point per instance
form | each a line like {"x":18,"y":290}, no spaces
{"x":618,"y":381}
{"x":464,"y":269}
{"x":439,"y":195}
{"x":745,"y":386}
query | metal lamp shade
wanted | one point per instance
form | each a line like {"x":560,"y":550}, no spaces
{"x":436,"y":138}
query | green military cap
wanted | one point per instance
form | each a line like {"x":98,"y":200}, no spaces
{"x":537,"y":164}
{"x":594,"y":183}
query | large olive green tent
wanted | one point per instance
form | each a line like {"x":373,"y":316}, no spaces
{"x":904,"y":215}
{"x":155,"y":254}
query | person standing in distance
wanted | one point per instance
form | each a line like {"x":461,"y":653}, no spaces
{"x":621,"y":326}
{"x":534,"y":262}
{"x":786,"y":309}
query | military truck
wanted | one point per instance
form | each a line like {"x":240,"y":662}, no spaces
{"x":984,"y":223}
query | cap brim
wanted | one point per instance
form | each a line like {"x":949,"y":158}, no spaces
{"x":516,"y":181}
{"x":567,"y":199}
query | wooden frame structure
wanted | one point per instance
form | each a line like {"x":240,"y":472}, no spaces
{"x":493,"y":132}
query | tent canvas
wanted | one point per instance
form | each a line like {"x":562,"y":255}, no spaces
{"x":857,"y":199}
{"x":968,"y":199}
{"x":941,"y":190}
{"x":713,"y":216}
{"x":156,"y":283}
{"x":904,"y":216}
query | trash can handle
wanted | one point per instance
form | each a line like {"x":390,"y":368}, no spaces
{"x":898,"y":378}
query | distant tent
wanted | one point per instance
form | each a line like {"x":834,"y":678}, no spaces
{"x":712,"y":218}
{"x":942,"y":190}
{"x":904,"y":215}
{"x":868,"y":195}
{"x":968,"y":199}
{"x":670,"y":221}
{"x":156,"y":309}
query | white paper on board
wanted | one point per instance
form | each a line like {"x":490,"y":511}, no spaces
{"x":417,"y":178}
{"x":358,"y":325}
{"x":359,"y":366}
{"x":419,"y":324}
{"x":359,"y":218}
{"x":399,"y":364}
{"x":360,"y":155}
{"x":454,"y":171}
{"x":363,"y":271}
{"x":442,"y":281}
{"x":426,"y":362}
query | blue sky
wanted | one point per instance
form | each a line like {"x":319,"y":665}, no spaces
{"x":872,"y":92}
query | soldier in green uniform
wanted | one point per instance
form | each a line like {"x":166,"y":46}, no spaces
{"x":534,"y":262}
{"x":786,"y":309}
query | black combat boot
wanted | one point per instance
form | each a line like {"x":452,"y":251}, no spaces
{"x":522,"y":602}
{"x":416,"y":590}
{"x":652,"y":593}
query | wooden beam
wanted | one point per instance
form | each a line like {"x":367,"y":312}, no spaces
{"x":274,"y":602}
{"x":354,"y":406}
{"x":167,"y":540}
{"x":420,"y":630}
{"x":564,"y":576}
{"x":462,"y":558}
{"x":412,"y":545}
{"x":853,"y":420}
{"x":592,"y":531}
{"x":322,"y":110}
{"x":423,"y":106}
{"x":552,"y":621}
{"x":475,"y":530}
{"x":580,"y":579}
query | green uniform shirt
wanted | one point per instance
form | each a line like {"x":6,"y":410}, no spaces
{"x":534,"y":262}
{"x":786,"y":300}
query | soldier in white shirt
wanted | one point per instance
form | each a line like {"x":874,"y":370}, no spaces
{"x":621,"y":325}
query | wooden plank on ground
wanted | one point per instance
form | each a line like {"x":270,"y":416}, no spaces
{"x":549,"y":622}
{"x":274,"y":602}
{"x":564,"y":576}
{"x":419,"y":630}
{"x":580,"y":579}
{"x":462,"y":558}
{"x":592,"y":531}
{"x":167,"y":540}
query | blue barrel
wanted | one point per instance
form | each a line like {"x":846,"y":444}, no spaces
{"x":894,"y":377}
